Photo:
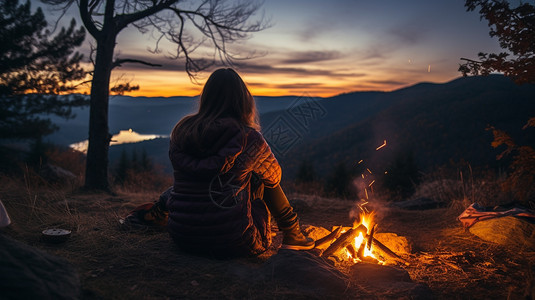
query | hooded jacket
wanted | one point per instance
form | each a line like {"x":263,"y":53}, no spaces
{"x":216,"y":205}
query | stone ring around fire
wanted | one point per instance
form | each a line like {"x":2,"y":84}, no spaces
{"x":218,"y":190}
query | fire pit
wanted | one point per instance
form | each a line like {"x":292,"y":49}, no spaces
{"x":351,"y":245}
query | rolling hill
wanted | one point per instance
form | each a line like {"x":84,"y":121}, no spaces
{"x":437,"y":123}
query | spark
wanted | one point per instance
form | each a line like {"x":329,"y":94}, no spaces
{"x":371,"y":183}
{"x":369,"y":171}
{"x":428,"y":68}
{"x":366,"y":191}
{"x":360,"y":162}
{"x":383,"y":145}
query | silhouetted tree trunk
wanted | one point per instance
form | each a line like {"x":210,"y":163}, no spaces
{"x":96,"y":176}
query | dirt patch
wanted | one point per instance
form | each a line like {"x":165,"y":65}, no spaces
{"x":114,"y":263}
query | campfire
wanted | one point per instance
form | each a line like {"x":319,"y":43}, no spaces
{"x":356,"y":244}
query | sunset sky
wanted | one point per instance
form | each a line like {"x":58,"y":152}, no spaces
{"x":326,"y":48}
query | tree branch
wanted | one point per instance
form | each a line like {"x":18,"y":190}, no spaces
{"x":471,"y":60}
{"x":87,"y":20}
{"x":124,"y":20}
{"x":119,"y":62}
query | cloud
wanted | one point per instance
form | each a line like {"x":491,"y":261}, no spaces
{"x":268,"y":67}
{"x":407,"y":34}
{"x":302,"y":57}
{"x":299,"y":86}
{"x":251,"y":67}
{"x":314,"y":28}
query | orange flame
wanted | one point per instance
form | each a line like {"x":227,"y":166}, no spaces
{"x":366,"y":219}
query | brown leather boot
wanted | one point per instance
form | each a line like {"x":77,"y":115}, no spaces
{"x":295,"y":240}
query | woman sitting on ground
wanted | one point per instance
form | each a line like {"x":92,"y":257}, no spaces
{"x":226,"y":178}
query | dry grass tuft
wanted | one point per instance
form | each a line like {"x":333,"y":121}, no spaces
{"x":458,"y":189}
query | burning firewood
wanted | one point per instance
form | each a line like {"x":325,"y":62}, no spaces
{"x":362,"y":257}
{"x":330,"y":237}
{"x":344,"y":240}
{"x":370,"y":237}
{"x":351,"y":250}
{"x":387,"y":253}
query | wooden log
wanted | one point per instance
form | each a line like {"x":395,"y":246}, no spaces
{"x":360,"y":252}
{"x":351,"y":250}
{"x":344,"y":240}
{"x":330,"y":237}
{"x":386,"y":252}
{"x":370,"y":237}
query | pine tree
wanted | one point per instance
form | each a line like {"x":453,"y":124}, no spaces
{"x":145,"y":163}
{"x":134,"y":162}
{"x":122,"y":168}
{"x":34,"y":70}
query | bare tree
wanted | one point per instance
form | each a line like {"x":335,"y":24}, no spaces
{"x":216,"y":22}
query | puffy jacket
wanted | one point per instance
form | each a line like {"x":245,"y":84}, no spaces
{"x":215,"y":206}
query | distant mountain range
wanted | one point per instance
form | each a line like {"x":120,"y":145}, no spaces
{"x":437,"y":123}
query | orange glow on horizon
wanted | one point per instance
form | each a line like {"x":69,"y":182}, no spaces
{"x":173,"y":83}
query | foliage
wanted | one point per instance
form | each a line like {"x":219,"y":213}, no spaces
{"x":37,"y":155}
{"x":122,"y":167}
{"x":139,"y":174}
{"x":522,"y":169}
{"x":122,"y":88}
{"x":68,"y":159}
{"x":34,"y":70}
{"x":515,"y":30}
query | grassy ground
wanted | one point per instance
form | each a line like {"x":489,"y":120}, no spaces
{"x":115,"y":263}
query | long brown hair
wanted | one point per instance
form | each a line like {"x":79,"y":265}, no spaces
{"x":224,"y":95}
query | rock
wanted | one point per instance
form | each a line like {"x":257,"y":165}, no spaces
{"x":316,"y":233}
{"x":387,"y":282}
{"x":508,"y":231}
{"x":56,"y":174}
{"x":29,"y":273}
{"x":421,"y":203}
{"x":300,"y":270}
{"x":398,"y":244}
